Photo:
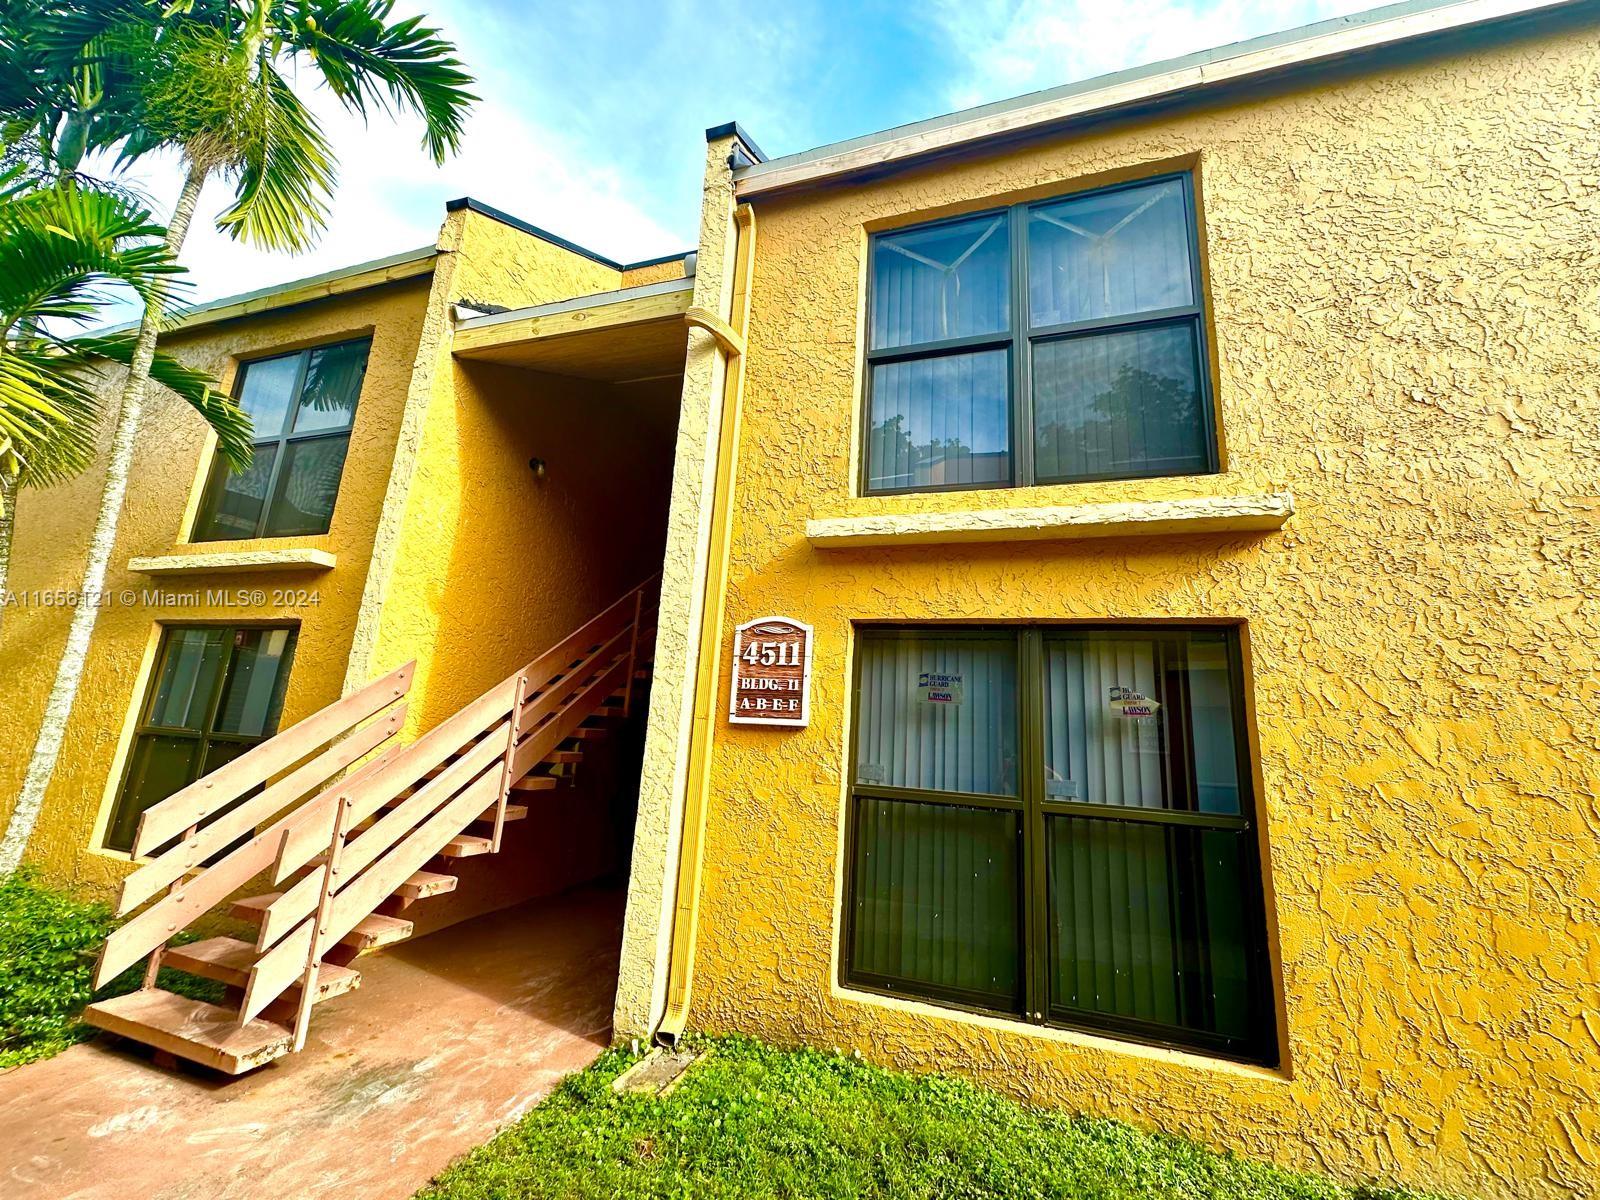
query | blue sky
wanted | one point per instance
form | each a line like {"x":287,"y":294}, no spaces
{"x":593,"y":115}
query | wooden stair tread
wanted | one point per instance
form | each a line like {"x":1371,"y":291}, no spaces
{"x":372,"y":932}
{"x":251,"y":907}
{"x":228,"y":960}
{"x":467,"y":846}
{"x":535,"y":783}
{"x":564,"y":756}
{"x":424,"y":884}
{"x":514,"y":812}
{"x":377,"y":930}
{"x":193,"y":1029}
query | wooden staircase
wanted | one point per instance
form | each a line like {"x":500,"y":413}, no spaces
{"x":349,"y":832}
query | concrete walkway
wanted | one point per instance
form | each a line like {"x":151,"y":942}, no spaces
{"x":447,"y":1039}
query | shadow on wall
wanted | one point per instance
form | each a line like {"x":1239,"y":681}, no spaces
{"x":531,"y":558}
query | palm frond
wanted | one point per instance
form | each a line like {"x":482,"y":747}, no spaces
{"x":75,"y":72}
{"x":62,"y":246}
{"x":195,"y":387}
{"x":59,"y":412}
{"x":286,"y":178}
{"x":406,"y":65}
{"x":48,"y":418}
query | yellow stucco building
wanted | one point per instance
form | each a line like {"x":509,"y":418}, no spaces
{"x":1179,"y":488}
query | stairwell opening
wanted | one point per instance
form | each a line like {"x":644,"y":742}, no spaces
{"x":566,"y":484}
{"x":469,"y":816}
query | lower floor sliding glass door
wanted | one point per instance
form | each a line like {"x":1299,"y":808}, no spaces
{"x":1056,"y":824}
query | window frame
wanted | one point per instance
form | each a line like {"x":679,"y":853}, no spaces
{"x":280,"y":443}
{"x":205,"y":736}
{"x":1034,"y":1005}
{"x":1020,"y":338}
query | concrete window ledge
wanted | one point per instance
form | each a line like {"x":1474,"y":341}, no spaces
{"x":1209,"y":514}
{"x":235,"y":562}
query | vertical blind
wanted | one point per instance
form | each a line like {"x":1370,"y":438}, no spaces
{"x":936,"y":899}
{"x":940,"y":421}
{"x":1148,"y":897}
{"x":967,"y":744}
{"x":1099,"y":360}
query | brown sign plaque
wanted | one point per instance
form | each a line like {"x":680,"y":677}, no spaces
{"x":771,"y":673}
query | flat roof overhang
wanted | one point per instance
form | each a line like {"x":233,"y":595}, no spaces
{"x":624,"y":336}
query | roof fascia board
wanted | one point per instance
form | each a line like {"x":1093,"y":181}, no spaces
{"x":375,"y":273}
{"x":658,"y":261}
{"x":1164,"y":82}
{"x":598,"y":300}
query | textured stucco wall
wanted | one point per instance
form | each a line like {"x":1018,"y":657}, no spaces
{"x":1404,"y":275}
{"x":655,"y":273}
{"x":494,"y":565}
{"x":489,"y":565}
{"x":484,"y":260}
{"x":647,"y":929}
{"x":171,"y":457}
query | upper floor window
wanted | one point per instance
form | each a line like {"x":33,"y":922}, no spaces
{"x":302,"y":405}
{"x":1051,"y":342}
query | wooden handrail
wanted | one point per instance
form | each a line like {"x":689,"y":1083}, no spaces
{"x":206,"y":796}
{"x":472,"y":757}
{"x":432,"y":789}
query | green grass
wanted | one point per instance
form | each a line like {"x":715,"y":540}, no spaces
{"x":752,"y":1121}
{"x":48,"y":940}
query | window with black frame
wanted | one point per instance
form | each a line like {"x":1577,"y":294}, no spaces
{"x":1050,"y":342}
{"x":302,"y":406}
{"x":216,"y":691}
{"x":1057,"y":824}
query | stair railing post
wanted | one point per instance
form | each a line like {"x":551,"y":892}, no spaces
{"x":330,"y":874}
{"x":152,"y":966}
{"x":507,"y":762}
{"x":633,"y":652}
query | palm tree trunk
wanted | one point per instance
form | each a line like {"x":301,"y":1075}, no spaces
{"x":69,"y":671}
{"x":8,"y":517}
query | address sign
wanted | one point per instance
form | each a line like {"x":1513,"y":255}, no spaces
{"x":771,"y":673}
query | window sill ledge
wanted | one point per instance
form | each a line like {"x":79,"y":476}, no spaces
{"x":235,"y":562}
{"x":1145,"y":518}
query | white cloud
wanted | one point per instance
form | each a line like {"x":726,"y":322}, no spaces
{"x":1017,"y":46}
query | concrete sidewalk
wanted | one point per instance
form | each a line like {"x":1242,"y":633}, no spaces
{"x":447,"y":1039}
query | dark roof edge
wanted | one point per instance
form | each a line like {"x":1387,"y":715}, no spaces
{"x":733,"y":129}
{"x":505,"y":218}
{"x":656,"y":262}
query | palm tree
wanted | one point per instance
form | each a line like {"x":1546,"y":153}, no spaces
{"x":61,"y":246}
{"x":210,"y":80}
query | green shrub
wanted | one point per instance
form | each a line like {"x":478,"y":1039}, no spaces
{"x":48,"y":941}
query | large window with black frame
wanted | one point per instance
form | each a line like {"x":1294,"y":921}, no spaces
{"x":1056,"y":823}
{"x":1055,"y":341}
{"x":216,"y":691}
{"x":302,"y":406}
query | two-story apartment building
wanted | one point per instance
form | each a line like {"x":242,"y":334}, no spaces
{"x":1169,"y":497}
